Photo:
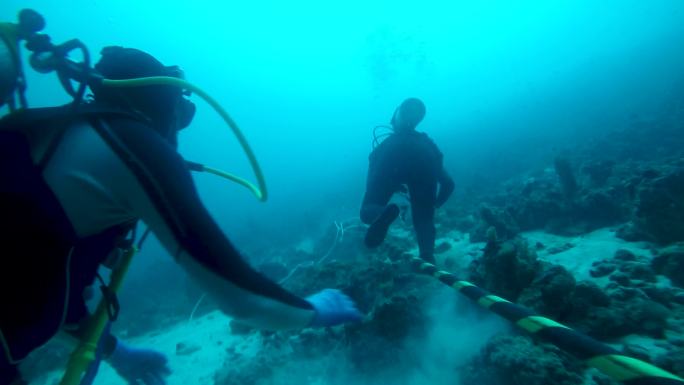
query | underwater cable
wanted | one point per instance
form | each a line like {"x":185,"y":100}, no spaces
{"x":594,"y":353}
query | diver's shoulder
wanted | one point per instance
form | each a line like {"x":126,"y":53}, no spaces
{"x":422,"y":134}
{"x":424,"y":137}
{"x":429,"y":142}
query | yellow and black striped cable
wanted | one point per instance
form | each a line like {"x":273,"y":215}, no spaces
{"x":596,"y":354}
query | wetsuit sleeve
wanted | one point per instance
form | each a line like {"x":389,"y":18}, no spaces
{"x":446,"y":183}
{"x":159,"y":189}
{"x":372,"y":164}
{"x":446,"y":187}
{"x":374,"y":174}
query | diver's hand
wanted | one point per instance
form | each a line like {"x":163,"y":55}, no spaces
{"x":333,"y":308}
{"x":139,"y":365}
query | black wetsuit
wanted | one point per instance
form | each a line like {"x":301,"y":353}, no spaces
{"x":63,"y":211}
{"x":412,"y":159}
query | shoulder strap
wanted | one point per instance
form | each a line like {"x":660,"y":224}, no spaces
{"x":59,"y":118}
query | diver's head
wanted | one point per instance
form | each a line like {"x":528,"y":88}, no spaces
{"x":408,"y":115}
{"x":165,"y":105}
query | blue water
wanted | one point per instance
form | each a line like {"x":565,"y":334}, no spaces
{"x":504,"y":83}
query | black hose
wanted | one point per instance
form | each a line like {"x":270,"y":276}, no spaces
{"x":143,"y":238}
{"x":376,"y":137}
{"x":83,"y":82}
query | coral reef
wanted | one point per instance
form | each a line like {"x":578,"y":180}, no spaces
{"x":632,"y":303}
{"x":502,"y":221}
{"x":598,"y":171}
{"x":569,"y":207}
{"x":670,"y":263}
{"x":551,"y":291}
{"x":376,"y":346}
{"x":566,"y":177}
{"x":660,"y":208}
{"x":517,"y":360}
{"x":506,"y":268}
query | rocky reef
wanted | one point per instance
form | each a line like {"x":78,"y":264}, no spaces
{"x":630,"y":178}
{"x":628,"y":296}
{"x":518,"y":360}
{"x":659,"y":205}
{"x":384,"y":287}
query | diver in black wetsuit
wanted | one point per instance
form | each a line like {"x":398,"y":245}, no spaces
{"x":72,"y":182}
{"x":409,"y":158}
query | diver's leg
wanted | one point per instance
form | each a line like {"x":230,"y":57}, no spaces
{"x":423,"y":197}
{"x":376,"y":211}
{"x":372,"y":210}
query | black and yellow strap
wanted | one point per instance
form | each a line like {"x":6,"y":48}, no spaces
{"x":596,"y":354}
{"x":85,"y":353}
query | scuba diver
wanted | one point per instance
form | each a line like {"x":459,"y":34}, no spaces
{"x":75,"y":181}
{"x":411,"y":159}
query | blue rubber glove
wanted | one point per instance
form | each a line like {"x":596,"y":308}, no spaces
{"x":139,"y":365}
{"x":333,"y":308}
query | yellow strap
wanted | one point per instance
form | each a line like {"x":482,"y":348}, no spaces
{"x":490,"y":300}
{"x":458,"y":285}
{"x":441,"y":273}
{"x":536,"y":323}
{"x":623,"y":368}
{"x":84,"y":354}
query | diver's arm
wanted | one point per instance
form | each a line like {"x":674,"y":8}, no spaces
{"x":446,"y":183}
{"x":158,"y":189}
{"x":446,"y":187}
